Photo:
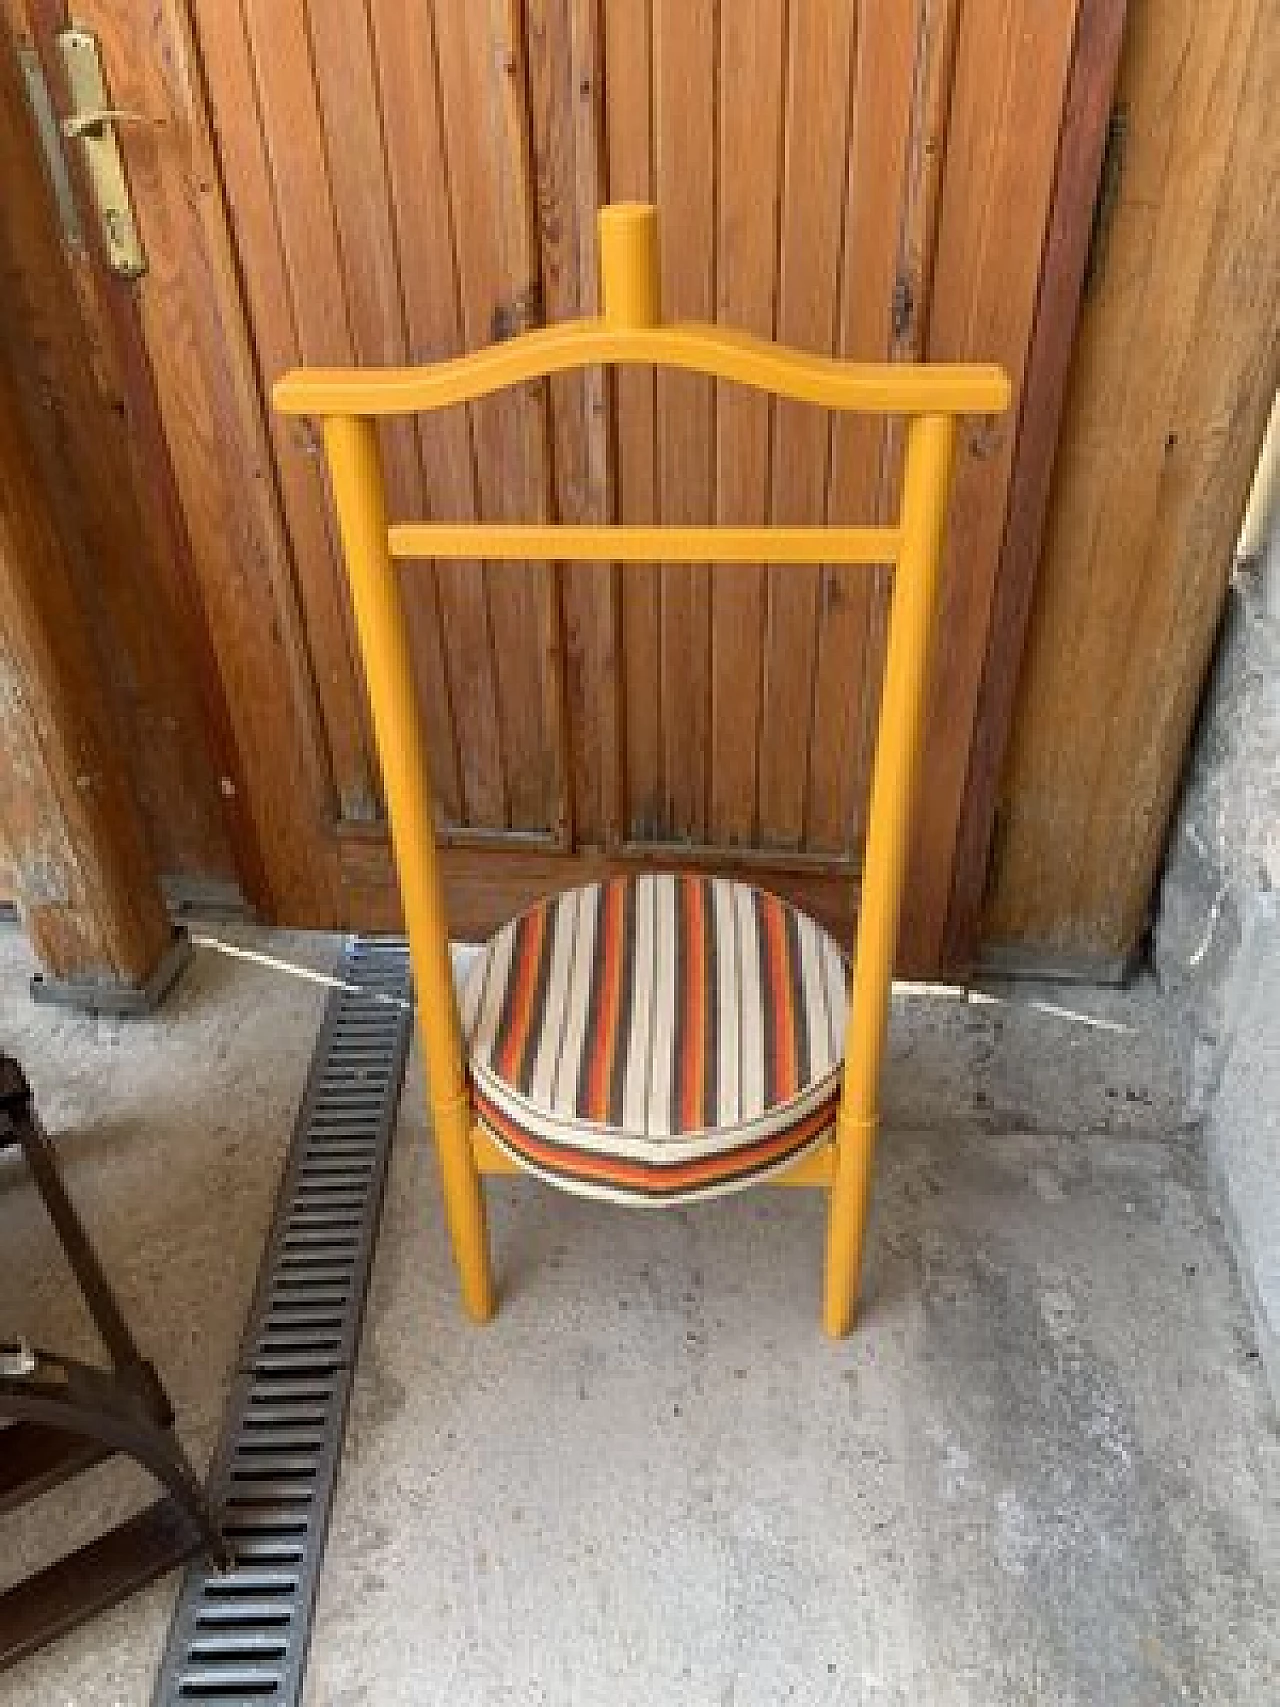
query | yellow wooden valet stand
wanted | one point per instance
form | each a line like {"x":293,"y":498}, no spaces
{"x":591,"y":1049}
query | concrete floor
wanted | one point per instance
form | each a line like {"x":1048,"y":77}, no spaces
{"x":1043,"y":1470}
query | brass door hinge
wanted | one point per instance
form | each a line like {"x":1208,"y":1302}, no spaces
{"x":55,"y":156}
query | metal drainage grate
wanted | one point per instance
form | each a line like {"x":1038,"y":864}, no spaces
{"x":242,"y":1636}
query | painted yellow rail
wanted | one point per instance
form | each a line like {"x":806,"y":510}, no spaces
{"x":886,"y":388}
{"x":536,"y":542}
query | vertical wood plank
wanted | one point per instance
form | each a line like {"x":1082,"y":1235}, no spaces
{"x":1094,"y":63}
{"x":1173,"y":371}
{"x":891,"y":41}
{"x":752,"y":70}
{"x":482,"y":79}
{"x":251,"y":202}
{"x":1077,"y":581}
{"x":1218,"y":408}
{"x":1194,"y":78}
{"x":685,"y":80}
{"x":350,"y":107}
{"x":820,"y":62}
{"x":413,"y":123}
{"x":565,"y":78}
{"x":628,"y":47}
{"x":996,"y":196}
{"x":352,"y":147}
{"x":293,"y":139}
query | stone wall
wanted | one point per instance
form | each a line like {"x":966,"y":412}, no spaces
{"x":1217,"y":937}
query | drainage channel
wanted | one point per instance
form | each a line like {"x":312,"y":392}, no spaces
{"x":241,"y":1637}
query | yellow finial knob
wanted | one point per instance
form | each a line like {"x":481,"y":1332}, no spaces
{"x":629,"y":264}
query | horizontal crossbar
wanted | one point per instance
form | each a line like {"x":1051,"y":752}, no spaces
{"x":890,"y":388}
{"x":538,"y":542}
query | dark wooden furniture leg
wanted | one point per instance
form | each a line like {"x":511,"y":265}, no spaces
{"x":65,"y":1416}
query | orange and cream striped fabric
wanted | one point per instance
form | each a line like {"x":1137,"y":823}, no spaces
{"x":653,"y":1039}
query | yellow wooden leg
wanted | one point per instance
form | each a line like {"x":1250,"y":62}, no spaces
{"x":925,"y":484}
{"x":464,"y":1207}
{"x":351,"y":445}
{"x":848,"y":1204}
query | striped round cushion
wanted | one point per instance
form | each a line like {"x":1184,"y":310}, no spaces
{"x":656,"y":1039}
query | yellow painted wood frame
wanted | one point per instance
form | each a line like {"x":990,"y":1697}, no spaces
{"x":630,"y":331}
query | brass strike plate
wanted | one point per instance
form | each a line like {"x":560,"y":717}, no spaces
{"x":51,"y":144}
{"x":92,"y":123}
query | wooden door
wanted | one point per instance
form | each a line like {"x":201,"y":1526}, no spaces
{"x":78,"y":370}
{"x":383,"y":181}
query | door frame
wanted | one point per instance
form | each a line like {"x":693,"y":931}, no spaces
{"x":1091,"y":82}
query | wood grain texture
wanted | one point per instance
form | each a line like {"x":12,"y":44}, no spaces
{"x":894,"y":50}
{"x":820,"y":57}
{"x":253,"y":133}
{"x":486,"y":122}
{"x":72,"y":841}
{"x":628,"y":51}
{"x":566,"y":100}
{"x":1174,"y":370}
{"x":752,"y":73}
{"x":684,"y":84}
{"x":463,"y":671}
{"x":83,"y":437}
{"x":296,"y":296}
{"x":210,"y":412}
{"x":1009,"y":83}
{"x":1094,"y":63}
{"x":350,"y":109}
